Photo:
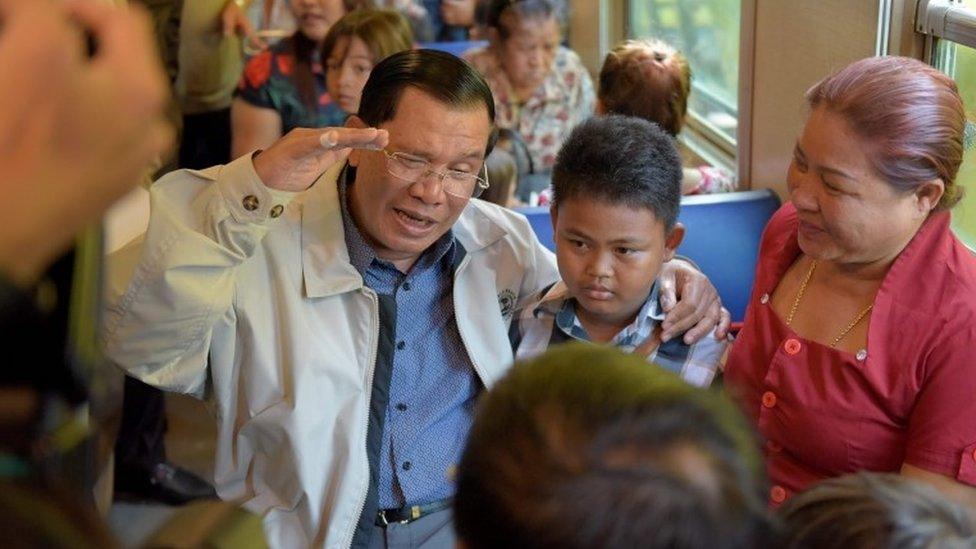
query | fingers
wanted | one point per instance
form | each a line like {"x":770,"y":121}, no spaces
{"x":666,"y":292}
{"x":699,"y":307}
{"x":354,"y":138}
{"x":250,"y":34}
{"x":706,"y":325}
{"x":724,"y":323}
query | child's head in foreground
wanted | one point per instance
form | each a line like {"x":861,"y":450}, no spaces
{"x":616,"y":189}
{"x":648,"y":79}
{"x":874,"y":510}
{"x":587,"y":447}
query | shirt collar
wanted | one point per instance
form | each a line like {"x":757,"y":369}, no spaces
{"x":558,"y":303}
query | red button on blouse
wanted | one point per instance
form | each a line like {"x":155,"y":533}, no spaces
{"x":792,"y":346}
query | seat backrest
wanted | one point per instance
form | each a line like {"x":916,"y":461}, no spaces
{"x":722,"y":233}
{"x":454,"y":48}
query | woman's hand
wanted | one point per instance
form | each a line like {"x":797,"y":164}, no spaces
{"x":295,"y":161}
{"x":691,"y":302}
{"x":233,"y":21}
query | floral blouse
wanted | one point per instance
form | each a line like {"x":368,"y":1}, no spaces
{"x":267,"y":82}
{"x":544,"y":121}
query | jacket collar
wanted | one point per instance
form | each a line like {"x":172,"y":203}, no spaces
{"x":326,"y":266}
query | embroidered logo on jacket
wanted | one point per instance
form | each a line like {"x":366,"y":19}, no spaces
{"x":506,"y":302}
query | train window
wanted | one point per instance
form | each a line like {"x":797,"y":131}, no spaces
{"x":707,"y":32}
{"x":960,"y":62}
{"x":950,"y":29}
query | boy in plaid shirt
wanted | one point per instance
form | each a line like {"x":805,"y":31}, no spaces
{"x":616,"y":191}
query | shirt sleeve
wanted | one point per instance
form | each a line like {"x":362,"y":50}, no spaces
{"x":168,"y":289}
{"x":254,"y":86}
{"x":942,"y":427}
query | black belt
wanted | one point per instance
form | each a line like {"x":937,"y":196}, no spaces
{"x":410,"y":513}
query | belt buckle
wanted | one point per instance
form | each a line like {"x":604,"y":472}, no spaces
{"x":415,"y":514}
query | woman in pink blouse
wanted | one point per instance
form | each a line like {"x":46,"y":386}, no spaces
{"x":541,"y":89}
{"x":858,"y":348}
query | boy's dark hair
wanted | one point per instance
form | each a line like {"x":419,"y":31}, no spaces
{"x":438,"y":74}
{"x":648,"y":79}
{"x":872,"y":510}
{"x":620,"y":160}
{"x":589,"y":447}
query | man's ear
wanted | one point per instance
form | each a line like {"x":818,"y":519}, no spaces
{"x":927,"y":196}
{"x":599,"y":109}
{"x":553,"y":216}
{"x":673,"y":240}
{"x":356,"y":154}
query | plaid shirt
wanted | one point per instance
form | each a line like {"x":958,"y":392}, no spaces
{"x":551,"y":319}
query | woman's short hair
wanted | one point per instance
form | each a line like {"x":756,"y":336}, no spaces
{"x":873,"y":510}
{"x":648,"y":79}
{"x":523,"y":9}
{"x":909,"y":112}
{"x":384,"y":32}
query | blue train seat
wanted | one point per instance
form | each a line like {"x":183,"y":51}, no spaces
{"x":722,"y":237}
{"x":455,"y":48}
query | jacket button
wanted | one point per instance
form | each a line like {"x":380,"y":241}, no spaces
{"x":401,"y":345}
{"x":406,"y":286}
{"x":407,"y":465}
{"x":764,"y":299}
{"x":402,"y":407}
{"x":250,"y":203}
{"x":276,"y":210}
{"x":777,"y":494}
{"x":769,"y":399}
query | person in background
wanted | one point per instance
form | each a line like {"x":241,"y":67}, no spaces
{"x":616,"y":191}
{"x":652,"y":80}
{"x":856,"y":351}
{"x":874,"y":511}
{"x":541,"y":89}
{"x":355,"y":44}
{"x":80,"y":129}
{"x":284,"y":87}
{"x":502,"y":179}
{"x":450,"y":19}
{"x":585,"y":447}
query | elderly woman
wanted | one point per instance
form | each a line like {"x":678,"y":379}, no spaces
{"x":857,"y":351}
{"x":541,"y":89}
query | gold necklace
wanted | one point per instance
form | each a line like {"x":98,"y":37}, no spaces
{"x":799,"y":295}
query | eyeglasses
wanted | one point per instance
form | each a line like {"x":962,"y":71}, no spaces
{"x":454,"y":182}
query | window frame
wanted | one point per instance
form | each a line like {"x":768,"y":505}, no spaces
{"x":699,"y":135}
{"x":949,"y":21}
